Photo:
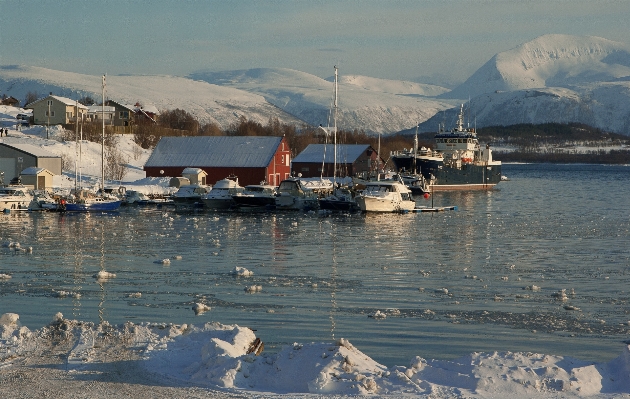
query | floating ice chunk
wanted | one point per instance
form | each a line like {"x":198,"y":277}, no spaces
{"x":377,"y":315}
{"x":441,"y":291}
{"x":57,"y":317}
{"x":571,"y":307}
{"x":560,"y":295}
{"x":134,"y":295}
{"x":253,"y":288}
{"x":200,"y":308}
{"x":165,"y":261}
{"x":4,"y":276}
{"x":177,"y":257}
{"x":532,"y":288}
{"x":242,"y":272}
{"x":103,"y":275}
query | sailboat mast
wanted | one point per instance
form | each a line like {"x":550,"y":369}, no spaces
{"x":335,"y":127}
{"x":76,"y":145}
{"x":103,"y":142}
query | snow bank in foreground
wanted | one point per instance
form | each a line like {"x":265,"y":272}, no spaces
{"x":223,"y":356}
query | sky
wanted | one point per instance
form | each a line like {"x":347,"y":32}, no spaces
{"x":431,"y":41}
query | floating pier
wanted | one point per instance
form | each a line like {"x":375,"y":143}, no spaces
{"x":431,"y":209}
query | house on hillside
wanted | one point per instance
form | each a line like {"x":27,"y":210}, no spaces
{"x":251,"y":158}
{"x":10,"y":101}
{"x":124,"y":114}
{"x":145,"y":114}
{"x":96,"y":113}
{"x":55,"y":110}
{"x":15,"y":158}
{"x":352,"y":160}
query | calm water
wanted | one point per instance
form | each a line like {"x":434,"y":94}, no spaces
{"x":552,"y":226}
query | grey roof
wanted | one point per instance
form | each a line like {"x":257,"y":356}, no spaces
{"x":214,"y":151}
{"x":32,"y":150}
{"x":346,"y":153}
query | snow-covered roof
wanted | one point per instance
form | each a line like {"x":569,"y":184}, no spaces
{"x":64,"y":100}
{"x":33,"y":171}
{"x":32,"y":150}
{"x":215,"y":151}
{"x":346,"y":153}
{"x":95,"y":109}
{"x":193,"y":171}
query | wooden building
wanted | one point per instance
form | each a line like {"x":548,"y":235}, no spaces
{"x":352,"y":160}
{"x":251,"y":158}
{"x":39,"y":178}
{"x":14,"y":158}
{"x":55,"y":110}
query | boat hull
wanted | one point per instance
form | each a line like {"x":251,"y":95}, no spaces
{"x":468,"y":177}
{"x":104,"y":206}
{"x":338,"y":205}
{"x":376,"y":204}
{"x":218,"y":203}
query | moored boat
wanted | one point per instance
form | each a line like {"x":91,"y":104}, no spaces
{"x":457,"y":163}
{"x":297,"y":194}
{"x":256,"y":196}
{"x":220,"y":196}
{"x":15,"y":198}
{"x":190,"y":194}
{"x":385,"y":196}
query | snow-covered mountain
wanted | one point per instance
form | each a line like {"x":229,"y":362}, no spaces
{"x":375,"y":105}
{"x":553,"y":78}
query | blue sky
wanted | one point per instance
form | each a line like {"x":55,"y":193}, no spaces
{"x":385,"y":39}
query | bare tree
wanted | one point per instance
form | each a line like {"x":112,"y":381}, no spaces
{"x":31,"y":96}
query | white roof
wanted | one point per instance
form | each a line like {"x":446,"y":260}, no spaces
{"x":32,"y":171}
{"x":95,"y":109}
{"x":64,"y":100}
{"x":32,"y":150}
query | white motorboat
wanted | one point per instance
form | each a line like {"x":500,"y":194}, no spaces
{"x":190,"y":194}
{"x":256,"y":196}
{"x":385,"y":196}
{"x":295,"y":194}
{"x":15,"y":198}
{"x":220,"y":197}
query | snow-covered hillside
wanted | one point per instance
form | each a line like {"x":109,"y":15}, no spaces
{"x":553,"y":78}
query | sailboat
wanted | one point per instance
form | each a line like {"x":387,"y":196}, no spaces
{"x":342,"y":197}
{"x":87,"y":202}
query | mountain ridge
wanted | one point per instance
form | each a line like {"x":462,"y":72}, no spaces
{"x":552,"y":78}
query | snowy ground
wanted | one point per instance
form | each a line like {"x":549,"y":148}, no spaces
{"x":87,"y":155}
{"x":70,"y":358}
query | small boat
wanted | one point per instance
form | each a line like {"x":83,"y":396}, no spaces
{"x":220,"y":197}
{"x":342,"y":199}
{"x":15,"y":198}
{"x":296,"y":194}
{"x":385,"y":196}
{"x":416,"y":183}
{"x":190,"y":194}
{"x":91,"y":204}
{"x":43,"y":201}
{"x":256,"y":196}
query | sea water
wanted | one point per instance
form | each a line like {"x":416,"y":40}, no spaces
{"x":486,"y":277}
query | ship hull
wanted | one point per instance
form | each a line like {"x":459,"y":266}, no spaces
{"x":467,"y":177}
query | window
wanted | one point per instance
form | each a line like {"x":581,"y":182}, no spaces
{"x":52,"y":113}
{"x":69,"y":115}
{"x":287,"y":164}
{"x":123,"y":114}
{"x":305,"y":169}
{"x":50,"y":102}
{"x":282,"y":162}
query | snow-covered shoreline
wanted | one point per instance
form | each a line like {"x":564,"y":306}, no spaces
{"x":214,"y":360}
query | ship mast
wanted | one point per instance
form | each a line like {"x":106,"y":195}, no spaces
{"x":103,"y":142}
{"x":335,"y":127}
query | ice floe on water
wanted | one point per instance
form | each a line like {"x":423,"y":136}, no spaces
{"x":242,"y":272}
{"x":232,"y":358}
